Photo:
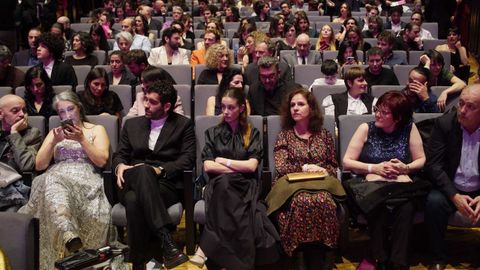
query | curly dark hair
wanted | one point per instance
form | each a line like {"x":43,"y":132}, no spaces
{"x":166,"y":91}
{"x":40,"y":73}
{"x":315,"y":118}
{"x":53,"y":43}
{"x":86,"y":41}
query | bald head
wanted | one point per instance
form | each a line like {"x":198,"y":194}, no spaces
{"x":12,"y":110}
{"x":469,"y":108}
{"x":303,"y":45}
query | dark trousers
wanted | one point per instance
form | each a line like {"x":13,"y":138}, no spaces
{"x":438,"y":208}
{"x":146,"y":199}
{"x":401,"y":217}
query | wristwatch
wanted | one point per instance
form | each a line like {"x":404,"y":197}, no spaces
{"x":162,"y":173}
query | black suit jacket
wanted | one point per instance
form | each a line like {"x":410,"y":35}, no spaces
{"x":174,"y":150}
{"x":443,"y":151}
{"x":20,"y":58}
{"x":63,"y":74}
{"x":251,"y":73}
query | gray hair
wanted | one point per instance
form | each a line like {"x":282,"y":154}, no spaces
{"x":125,"y":35}
{"x":70,"y":96}
{"x":267,"y":62}
{"x":177,"y":8}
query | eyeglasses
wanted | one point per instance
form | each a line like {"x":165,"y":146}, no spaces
{"x":383,"y":113}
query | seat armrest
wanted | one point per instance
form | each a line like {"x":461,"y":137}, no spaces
{"x":188,"y":201}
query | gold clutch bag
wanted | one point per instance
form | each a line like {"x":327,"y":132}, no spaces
{"x":305,"y":176}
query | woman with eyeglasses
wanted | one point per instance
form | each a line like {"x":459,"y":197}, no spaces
{"x":388,"y":149}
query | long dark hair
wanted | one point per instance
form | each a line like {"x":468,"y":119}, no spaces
{"x":225,"y":82}
{"x":38,"y":72}
{"x":315,"y":122}
{"x":145,"y":24}
{"x":273,"y":31}
{"x":96,"y":73}
{"x":98,"y":29}
{"x":244,"y":125}
{"x":341,"y":51}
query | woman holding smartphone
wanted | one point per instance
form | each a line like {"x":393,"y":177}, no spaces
{"x":68,"y":198}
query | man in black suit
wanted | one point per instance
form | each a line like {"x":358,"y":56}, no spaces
{"x":395,"y":24}
{"x":28,"y":57}
{"x":153,"y":152}
{"x":453,"y":166}
{"x":153,"y":24}
{"x":49,"y":53}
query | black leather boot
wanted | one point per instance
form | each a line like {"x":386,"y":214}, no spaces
{"x":74,"y":245}
{"x":172,"y":255}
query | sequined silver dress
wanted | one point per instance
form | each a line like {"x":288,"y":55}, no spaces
{"x":69,"y":201}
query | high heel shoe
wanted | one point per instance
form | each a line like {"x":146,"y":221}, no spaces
{"x":198,"y":259}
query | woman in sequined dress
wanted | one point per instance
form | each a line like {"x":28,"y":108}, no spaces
{"x":307,"y":221}
{"x":389,"y":148}
{"x":68,"y":198}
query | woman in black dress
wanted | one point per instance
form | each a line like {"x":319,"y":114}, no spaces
{"x":237,"y":235}
{"x":38,"y":92}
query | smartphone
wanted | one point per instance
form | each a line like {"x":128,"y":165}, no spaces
{"x":350,"y":59}
{"x":66,"y":122}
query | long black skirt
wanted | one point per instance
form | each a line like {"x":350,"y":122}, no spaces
{"x":238,"y":233}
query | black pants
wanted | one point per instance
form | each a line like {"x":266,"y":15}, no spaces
{"x":146,"y":199}
{"x":438,"y":208}
{"x":401,"y":217}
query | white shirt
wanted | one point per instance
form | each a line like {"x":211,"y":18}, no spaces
{"x":355,"y":106}
{"x":466,"y":177}
{"x":321,"y":81}
{"x":300,"y":59}
{"x":48,"y":68}
{"x":425,"y":34}
{"x":155,"y":129}
{"x":158,"y":57}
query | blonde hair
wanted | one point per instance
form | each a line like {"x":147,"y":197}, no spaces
{"x":211,"y":59}
{"x":332,"y":45}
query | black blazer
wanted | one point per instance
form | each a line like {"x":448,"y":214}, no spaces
{"x":443,"y":151}
{"x":62,"y":74}
{"x":20,"y":58}
{"x":174,"y":150}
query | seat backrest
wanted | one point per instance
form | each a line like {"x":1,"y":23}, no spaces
{"x":432,"y":43}
{"x":198,"y":70}
{"x":263,"y":26}
{"x":181,"y":73}
{"x":329,"y":55}
{"x":185,"y":93}
{"x":306,"y":74}
{"x":81,"y":27}
{"x":417,"y":117}
{"x":101,"y":56}
{"x":285,"y":52}
{"x":402,"y":71}
{"x":320,"y":92}
{"x":432,"y":27}
{"x":81,"y":72}
{"x":202,"y":93}
{"x":124,"y":92}
{"x":231,"y":25}
{"x":24,"y":68}
{"x":106,"y":67}
{"x":379,"y":90}
{"x":316,"y":18}
{"x":202,"y":123}
{"x":5,"y":90}
{"x":37,"y":121}
{"x":347,"y":126}
{"x":371,"y":41}
{"x":19,"y":236}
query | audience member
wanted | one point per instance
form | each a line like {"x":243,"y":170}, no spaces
{"x":355,"y":36}
{"x":375,"y":27}
{"x":441,"y":76}
{"x":119,"y":74}
{"x":124,"y":41}
{"x":218,"y":60}
{"x":409,"y":39}
{"x":262,"y":11}
{"x":386,"y":41}
{"x":170,"y":52}
{"x":20,"y":143}
{"x":452,"y":166}
{"x":207,"y":14}
{"x":277,"y":27}
{"x":347,"y":55}
{"x":395,"y":23}
{"x":139,"y":41}
{"x":355,"y":100}
{"x":306,"y":214}
{"x":266,"y":95}
{"x":82,"y":46}
{"x":372,"y":11}
{"x":303,"y":55}
{"x":28,"y":57}
{"x":49,"y":53}
{"x":417,"y":18}
{"x":99,"y":38}
{"x":289,"y":42}
{"x":39,"y":93}
{"x":141,"y":28}
{"x":458,"y":54}
{"x":149,"y":76}
{"x":65,"y":21}
{"x":231,"y":79}
{"x":302,"y":24}
{"x":153,"y":24}
{"x":376,"y":74}
{"x":177,"y":13}
{"x":326,"y":40}
{"x":9,"y":75}
{"x":69,"y":198}
{"x":287,"y":12}
{"x":57,"y":30}
{"x":344,"y":13}
{"x":389,"y":148}
{"x":159,"y":8}
{"x":97,"y":99}
{"x":418,"y":91}
{"x":330,"y":71}
{"x":148,"y":173}
{"x":348,"y":24}
{"x":185,"y":42}
{"x":234,"y":213}
{"x":210,"y":38}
